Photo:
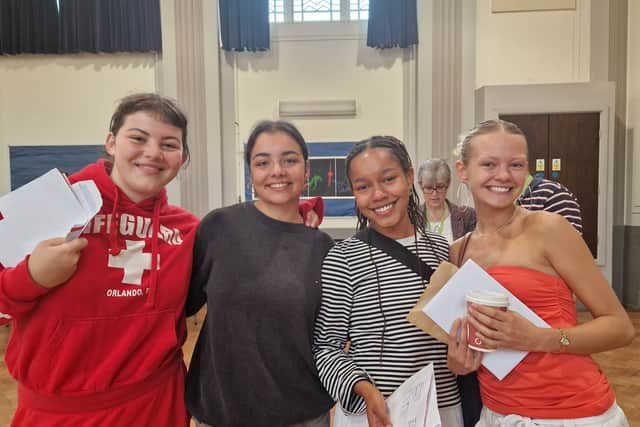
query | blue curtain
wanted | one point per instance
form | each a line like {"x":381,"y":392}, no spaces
{"x":36,"y":26}
{"x":28,"y":26}
{"x":110,"y":26}
{"x":392,"y":23}
{"x":244,"y":25}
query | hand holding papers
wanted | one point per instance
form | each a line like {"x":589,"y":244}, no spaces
{"x":450,"y":303}
{"x":45,"y":208}
{"x":413,"y":404}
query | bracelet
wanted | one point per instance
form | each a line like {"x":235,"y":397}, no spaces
{"x":564,"y":341}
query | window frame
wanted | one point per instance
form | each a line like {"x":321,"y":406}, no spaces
{"x":288,"y":9}
{"x":344,"y":29}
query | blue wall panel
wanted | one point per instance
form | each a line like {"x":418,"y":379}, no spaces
{"x":29,"y":162}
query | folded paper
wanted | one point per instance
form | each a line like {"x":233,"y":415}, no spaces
{"x":42,"y":209}
{"x":449,"y":304}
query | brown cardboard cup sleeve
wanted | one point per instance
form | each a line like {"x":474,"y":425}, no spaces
{"x":417,"y":317}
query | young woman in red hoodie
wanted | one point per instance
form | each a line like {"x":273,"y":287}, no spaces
{"x":98,"y":323}
{"x":97,"y":331}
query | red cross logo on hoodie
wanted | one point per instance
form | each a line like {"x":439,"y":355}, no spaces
{"x":133,"y":261}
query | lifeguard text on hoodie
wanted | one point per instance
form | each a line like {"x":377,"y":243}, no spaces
{"x":104,"y":348}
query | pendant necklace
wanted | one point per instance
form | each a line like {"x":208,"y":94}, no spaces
{"x":501,"y":226}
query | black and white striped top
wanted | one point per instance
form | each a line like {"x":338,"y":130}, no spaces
{"x":551,"y":196}
{"x":356,"y":308}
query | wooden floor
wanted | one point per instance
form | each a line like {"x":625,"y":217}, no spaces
{"x":622,"y":366}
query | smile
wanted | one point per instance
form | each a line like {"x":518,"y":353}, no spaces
{"x":149,"y":168}
{"x":278,"y":185}
{"x":384,"y":209}
{"x":497,"y":189}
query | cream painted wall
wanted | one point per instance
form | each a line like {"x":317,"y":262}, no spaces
{"x":532,"y":47}
{"x":324,"y":69}
{"x":633,"y":109}
{"x":64,"y":100}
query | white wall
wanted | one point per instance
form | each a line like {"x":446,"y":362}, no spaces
{"x":64,"y":100}
{"x":532,"y":47}
{"x":633,"y":110}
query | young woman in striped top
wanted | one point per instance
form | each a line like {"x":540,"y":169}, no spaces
{"x":366,"y":293}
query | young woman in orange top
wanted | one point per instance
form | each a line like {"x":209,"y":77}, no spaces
{"x":543,"y":261}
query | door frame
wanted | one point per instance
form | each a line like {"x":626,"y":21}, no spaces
{"x":491,"y":101}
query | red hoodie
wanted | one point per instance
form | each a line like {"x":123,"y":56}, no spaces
{"x":104,"y":349}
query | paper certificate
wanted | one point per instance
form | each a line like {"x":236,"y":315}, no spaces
{"x":413,"y":404}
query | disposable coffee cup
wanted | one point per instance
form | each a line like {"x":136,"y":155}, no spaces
{"x":490,"y":299}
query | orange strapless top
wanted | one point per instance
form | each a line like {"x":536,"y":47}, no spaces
{"x":546,"y":385}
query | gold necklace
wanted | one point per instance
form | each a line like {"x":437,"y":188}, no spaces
{"x":501,"y":226}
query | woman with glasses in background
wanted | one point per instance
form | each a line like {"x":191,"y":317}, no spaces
{"x":442,"y":216}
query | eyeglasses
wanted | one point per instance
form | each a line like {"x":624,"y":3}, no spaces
{"x":440,"y":188}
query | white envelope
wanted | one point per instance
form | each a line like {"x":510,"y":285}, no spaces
{"x":413,"y":404}
{"x":450,"y":303}
{"x":44,"y":208}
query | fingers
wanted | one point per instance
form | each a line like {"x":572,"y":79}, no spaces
{"x":463,"y":332}
{"x":312,"y":219}
{"x":377,"y":413}
{"x":460,"y":358}
{"x":383,"y":417}
{"x":60,"y":243}
{"x":56,"y":241}
{"x":476,"y":360}
{"x":488,"y":336}
{"x":488,"y":320}
{"x":487,"y":314}
{"x":77,"y":245}
{"x":454,"y":333}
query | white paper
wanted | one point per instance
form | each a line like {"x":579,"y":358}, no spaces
{"x":450,"y":304}
{"x":44,"y":208}
{"x":413,"y":404}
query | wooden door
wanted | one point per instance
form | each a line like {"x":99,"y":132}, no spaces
{"x":573,"y":139}
{"x":536,"y":128}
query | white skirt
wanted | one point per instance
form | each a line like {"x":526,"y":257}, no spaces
{"x":614,"y":417}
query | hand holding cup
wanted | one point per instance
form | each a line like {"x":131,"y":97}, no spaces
{"x":475,"y":337}
{"x":492,"y":326}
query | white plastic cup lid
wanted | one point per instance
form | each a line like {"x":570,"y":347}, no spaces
{"x":490,"y":298}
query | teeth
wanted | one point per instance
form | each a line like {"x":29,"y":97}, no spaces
{"x":499,"y":189}
{"x":155,"y":168}
{"x":384,"y":208}
{"x":280,"y":185}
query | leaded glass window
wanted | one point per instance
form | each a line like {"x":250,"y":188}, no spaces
{"x":276,"y":10}
{"x":358,"y":10}
{"x":316,"y":10}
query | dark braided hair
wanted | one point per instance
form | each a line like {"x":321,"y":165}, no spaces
{"x":399,"y":151}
